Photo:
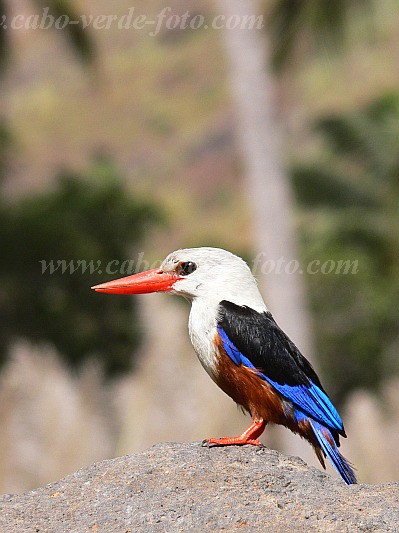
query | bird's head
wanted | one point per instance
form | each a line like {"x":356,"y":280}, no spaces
{"x":210,"y":273}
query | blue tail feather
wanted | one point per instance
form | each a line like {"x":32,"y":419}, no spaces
{"x":341,"y":465}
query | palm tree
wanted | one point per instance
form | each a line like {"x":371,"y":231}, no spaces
{"x":253,"y":85}
{"x":354,"y":215}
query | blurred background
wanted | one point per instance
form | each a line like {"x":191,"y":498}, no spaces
{"x":268,"y":128}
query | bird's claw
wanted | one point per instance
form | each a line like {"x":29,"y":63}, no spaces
{"x":209,"y":443}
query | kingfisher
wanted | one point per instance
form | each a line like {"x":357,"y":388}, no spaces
{"x":244,"y":351}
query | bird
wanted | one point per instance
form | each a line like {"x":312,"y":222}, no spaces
{"x":244,"y":351}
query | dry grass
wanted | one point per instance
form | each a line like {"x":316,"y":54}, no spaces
{"x":52,"y":423}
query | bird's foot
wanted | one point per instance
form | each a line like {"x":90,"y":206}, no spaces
{"x":248,"y":437}
{"x":230,"y":441}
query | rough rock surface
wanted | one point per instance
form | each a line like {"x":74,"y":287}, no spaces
{"x":177,"y":487}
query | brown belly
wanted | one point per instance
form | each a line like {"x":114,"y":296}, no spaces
{"x":247,"y":389}
{"x":259,"y":398}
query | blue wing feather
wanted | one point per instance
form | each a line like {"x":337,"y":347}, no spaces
{"x":237,"y":357}
{"x":310,"y":399}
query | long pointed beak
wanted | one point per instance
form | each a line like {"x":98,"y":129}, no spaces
{"x":150,"y":281}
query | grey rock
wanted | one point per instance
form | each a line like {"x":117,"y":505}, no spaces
{"x":179,"y":487}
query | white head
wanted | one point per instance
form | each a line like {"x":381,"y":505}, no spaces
{"x":209,"y":274}
{"x":213,"y":274}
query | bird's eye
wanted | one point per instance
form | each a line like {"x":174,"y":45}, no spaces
{"x":186,"y":268}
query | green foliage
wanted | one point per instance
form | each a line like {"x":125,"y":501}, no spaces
{"x":300,"y":24}
{"x":6,"y":139}
{"x":350,"y":200}
{"x":89,"y":219}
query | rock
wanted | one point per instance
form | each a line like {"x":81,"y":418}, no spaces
{"x":176,"y":487}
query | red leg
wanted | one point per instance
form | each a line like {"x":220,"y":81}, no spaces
{"x":249,"y":436}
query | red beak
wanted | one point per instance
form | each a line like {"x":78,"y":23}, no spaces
{"x":151,"y":281}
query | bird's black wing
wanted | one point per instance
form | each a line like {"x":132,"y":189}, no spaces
{"x":254,"y":340}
